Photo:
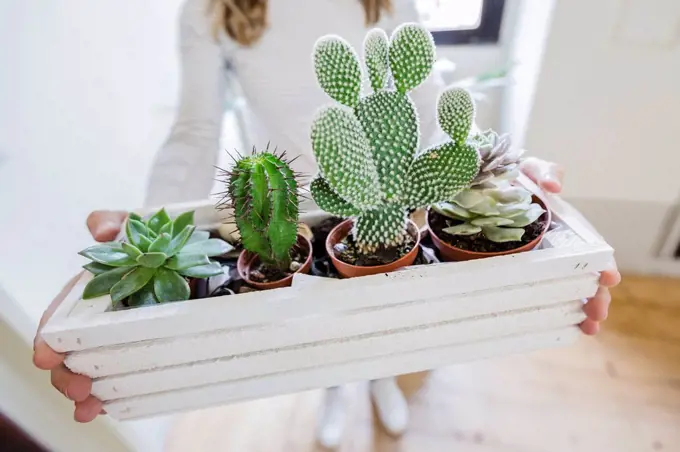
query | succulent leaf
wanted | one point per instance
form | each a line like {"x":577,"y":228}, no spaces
{"x":463,"y":229}
{"x":96,"y":268}
{"x":452,"y":210}
{"x":183,"y":261}
{"x":501,"y":235}
{"x":180,"y":223}
{"x":152,"y":260}
{"x":170,"y":286}
{"x":456,"y":113}
{"x":376,"y":49}
{"x":131,"y":250}
{"x":179,"y":240}
{"x":337,"y":69}
{"x":161,"y":244}
{"x":158,"y":220}
{"x":203,"y":271}
{"x":412,"y":55}
{"x":111,"y":254}
{"x":131,"y":283}
{"x":103,"y":282}
{"x":143,"y":297}
{"x":532,"y":214}
{"x":136,"y":232}
{"x":197,"y":236}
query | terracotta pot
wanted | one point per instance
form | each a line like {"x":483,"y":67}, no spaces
{"x":247,"y":261}
{"x":346,"y":270}
{"x":452,"y":253}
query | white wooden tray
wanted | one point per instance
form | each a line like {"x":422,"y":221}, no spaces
{"x":324,"y":332}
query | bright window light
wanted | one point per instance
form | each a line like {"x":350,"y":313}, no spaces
{"x":450,"y":14}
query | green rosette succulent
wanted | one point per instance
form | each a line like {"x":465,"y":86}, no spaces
{"x":153,"y":261}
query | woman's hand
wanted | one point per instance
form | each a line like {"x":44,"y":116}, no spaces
{"x":104,"y":226}
{"x":548,"y":176}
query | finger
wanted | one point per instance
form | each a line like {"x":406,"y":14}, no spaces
{"x":74,"y":387}
{"x":547,"y":175}
{"x":87,"y":410}
{"x":590,"y":327}
{"x":610,"y":278}
{"x":43,"y":356}
{"x":597,"y":307}
{"x":104,"y":225}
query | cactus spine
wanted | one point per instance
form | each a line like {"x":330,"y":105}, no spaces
{"x":262,"y":191}
{"x":367,"y":148}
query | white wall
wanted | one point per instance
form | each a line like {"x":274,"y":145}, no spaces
{"x":606,"y":107}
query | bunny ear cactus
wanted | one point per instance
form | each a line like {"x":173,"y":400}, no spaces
{"x":151,"y":264}
{"x":262,"y":191}
{"x":367,"y":148}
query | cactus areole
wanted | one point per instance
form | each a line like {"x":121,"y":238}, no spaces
{"x":367,"y":147}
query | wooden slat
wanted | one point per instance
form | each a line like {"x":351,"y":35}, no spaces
{"x":271,"y":385}
{"x":151,"y":354}
{"x":414,"y":283}
{"x":281,"y":360}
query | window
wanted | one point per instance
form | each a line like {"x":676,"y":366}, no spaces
{"x":462,"y":21}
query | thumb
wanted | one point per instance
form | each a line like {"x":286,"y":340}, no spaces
{"x":547,"y":175}
{"x":104,"y":225}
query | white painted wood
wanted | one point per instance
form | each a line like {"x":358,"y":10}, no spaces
{"x":431,"y":281}
{"x":157,"y":353}
{"x":323,"y":332}
{"x":307,"y":379}
{"x":281,"y":360}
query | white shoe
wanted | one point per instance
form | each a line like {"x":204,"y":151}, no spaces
{"x":390,"y":404}
{"x":331,"y":424}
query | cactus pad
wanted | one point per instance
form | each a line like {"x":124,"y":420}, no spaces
{"x":412,"y":55}
{"x":376,"y":47}
{"x":337,"y":70}
{"x":368,"y":157}
{"x":393,"y":137}
{"x":456,"y":113}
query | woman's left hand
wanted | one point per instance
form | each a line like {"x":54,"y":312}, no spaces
{"x":548,"y":176}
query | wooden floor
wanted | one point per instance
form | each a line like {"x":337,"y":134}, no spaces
{"x":617,"y":392}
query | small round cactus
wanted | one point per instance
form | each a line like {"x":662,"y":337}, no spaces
{"x":367,"y":151}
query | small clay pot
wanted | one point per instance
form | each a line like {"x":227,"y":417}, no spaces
{"x":346,"y":270}
{"x":247,"y":261}
{"x":452,"y":253}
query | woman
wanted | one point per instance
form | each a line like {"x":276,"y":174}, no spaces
{"x":267,"y":46}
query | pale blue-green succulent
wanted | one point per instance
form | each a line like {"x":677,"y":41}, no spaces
{"x":500,"y":213}
{"x":367,"y":148}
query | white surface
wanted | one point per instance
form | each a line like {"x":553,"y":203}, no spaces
{"x":609,"y":103}
{"x":344,"y":350}
{"x":303,"y":380}
{"x":123,"y":359}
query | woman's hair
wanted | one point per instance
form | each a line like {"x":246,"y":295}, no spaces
{"x":246,"y":20}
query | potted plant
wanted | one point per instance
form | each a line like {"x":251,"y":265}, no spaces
{"x":367,"y":149}
{"x":322,"y":332}
{"x":262,"y":192}
{"x":495,"y":215}
{"x":157,"y":261}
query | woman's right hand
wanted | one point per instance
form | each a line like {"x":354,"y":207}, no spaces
{"x":104,"y":226}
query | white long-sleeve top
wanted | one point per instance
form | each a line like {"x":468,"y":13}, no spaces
{"x":278,"y":81}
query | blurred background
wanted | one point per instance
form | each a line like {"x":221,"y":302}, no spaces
{"x":89,"y":90}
